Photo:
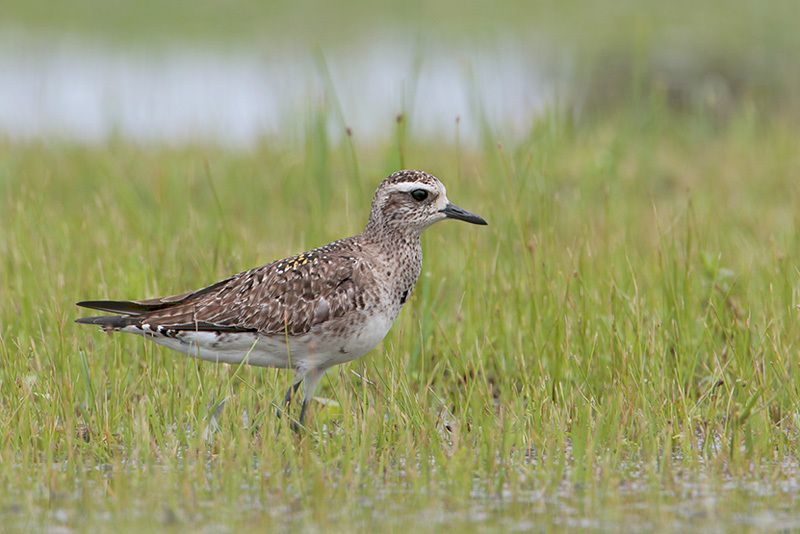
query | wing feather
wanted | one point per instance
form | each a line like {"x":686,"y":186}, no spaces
{"x":286,"y":297}
{"x":139,"y":307}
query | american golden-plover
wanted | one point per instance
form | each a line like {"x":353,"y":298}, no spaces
{"x":307,"y":313}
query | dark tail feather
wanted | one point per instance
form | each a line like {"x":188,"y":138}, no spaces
{"x":127,"y":307}
{"x":139,"y":307}
{"x":108,"y":322}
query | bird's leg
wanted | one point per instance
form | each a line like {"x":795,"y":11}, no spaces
{"x":291,"y":391}
{"x":311,"y":382}
{"x":287,"y":399}
{"x":303,"y":408}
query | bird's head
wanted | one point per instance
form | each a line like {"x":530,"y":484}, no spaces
{"x":410,"y":201}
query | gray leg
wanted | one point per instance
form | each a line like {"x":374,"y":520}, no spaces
{"x":291,"y":391}
{"x":287,"y":400}
{"x":310,"y":383}
{"x":303,"y":411}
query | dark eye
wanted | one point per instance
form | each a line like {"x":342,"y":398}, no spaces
{"x":419,"y":194}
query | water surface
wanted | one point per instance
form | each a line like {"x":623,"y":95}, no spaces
{"x":80,"y":90}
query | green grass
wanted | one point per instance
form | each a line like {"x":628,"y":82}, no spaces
{"x":619,"y":346}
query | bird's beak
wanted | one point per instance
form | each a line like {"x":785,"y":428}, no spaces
{"x":451,"y":211}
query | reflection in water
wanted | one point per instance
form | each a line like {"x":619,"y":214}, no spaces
{"x":675,"y":501}
{"x":234,"y":97}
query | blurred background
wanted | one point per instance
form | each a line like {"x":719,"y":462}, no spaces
{"x":239,"y":72}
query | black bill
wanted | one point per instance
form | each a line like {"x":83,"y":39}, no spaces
{"x":454,"y":212}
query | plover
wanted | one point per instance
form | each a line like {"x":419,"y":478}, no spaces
{"x":312,"y":311}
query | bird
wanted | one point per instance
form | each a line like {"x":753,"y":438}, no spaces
{"x":309,"y":312}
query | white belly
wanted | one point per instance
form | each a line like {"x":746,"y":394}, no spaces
{"x":232,"y":348}
{"x":372,"y":332}
{"x":319,"y":349}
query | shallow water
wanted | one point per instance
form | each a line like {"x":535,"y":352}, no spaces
{"x":76,"y":89}
{"x":131,"y":498}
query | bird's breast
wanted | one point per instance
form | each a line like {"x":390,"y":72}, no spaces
{"x":365,"y":336}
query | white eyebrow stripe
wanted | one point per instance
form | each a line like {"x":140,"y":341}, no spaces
{"x":405,"y":187}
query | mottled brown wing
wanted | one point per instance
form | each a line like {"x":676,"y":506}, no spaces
{"x":289,"y":296}
{"x":139,"y":307}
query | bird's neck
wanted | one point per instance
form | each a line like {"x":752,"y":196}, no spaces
{"x":400,"y":253}
{"x":390,"y":239}
{"x":391,"y":233}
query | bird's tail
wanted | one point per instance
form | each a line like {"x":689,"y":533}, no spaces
{"x":109,"y":322}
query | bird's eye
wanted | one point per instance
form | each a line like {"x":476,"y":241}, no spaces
{"x":419,"y":194}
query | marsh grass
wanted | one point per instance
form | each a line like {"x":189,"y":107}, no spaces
{"x":624,"y":332}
